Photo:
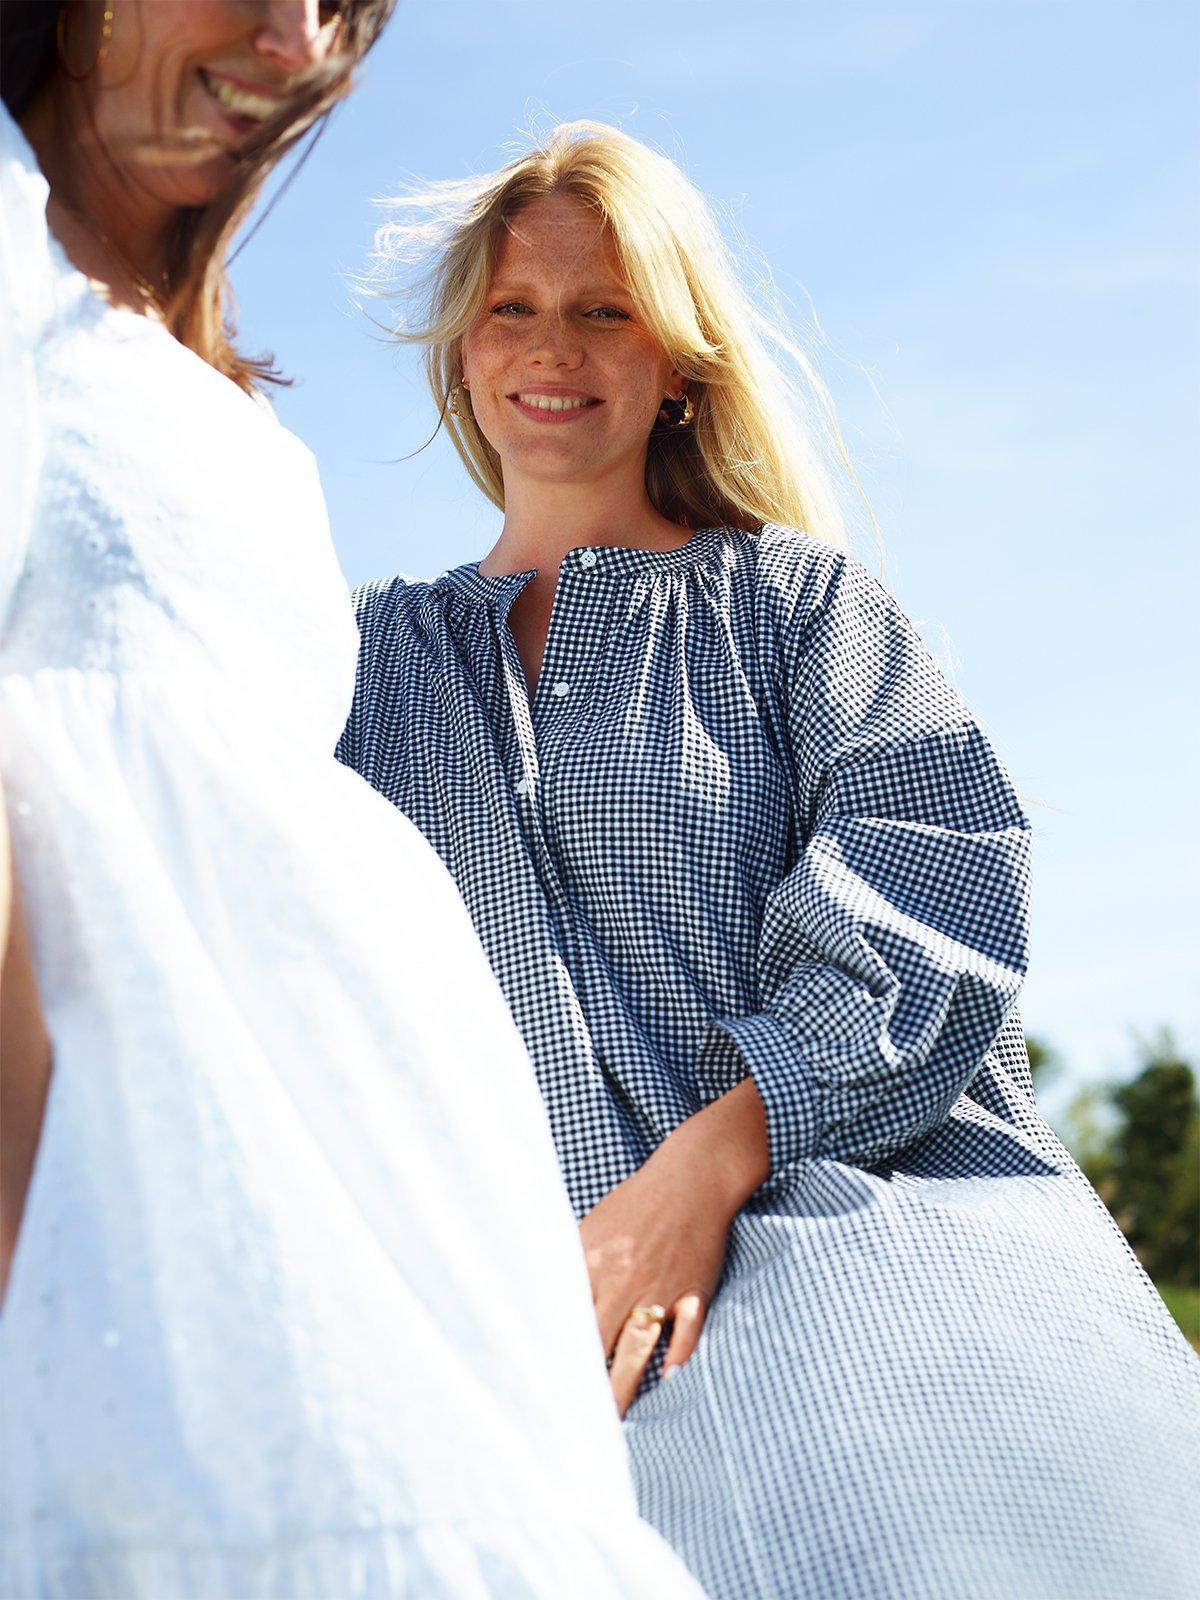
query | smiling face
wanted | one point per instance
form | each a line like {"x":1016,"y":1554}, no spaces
{"x":565,"y":382}
{"x":185,"y":83}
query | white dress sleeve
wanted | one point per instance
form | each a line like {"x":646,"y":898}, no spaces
{"x":27,"y":297}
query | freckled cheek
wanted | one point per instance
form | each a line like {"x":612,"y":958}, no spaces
{"x":640,"y":381}
{"x":489,"y":383}
{"x":643,"y":397}
{"x":489,"y":362}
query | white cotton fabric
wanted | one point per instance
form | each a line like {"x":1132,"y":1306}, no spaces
{"x":298,"y":1308}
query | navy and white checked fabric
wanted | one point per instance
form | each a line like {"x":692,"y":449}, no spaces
{"x":746,"y":827}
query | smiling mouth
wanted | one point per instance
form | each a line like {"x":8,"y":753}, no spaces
{"x":244,"y":108}
{"x":553,"y":407}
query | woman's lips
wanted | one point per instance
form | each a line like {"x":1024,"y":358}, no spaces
{"x":241,"y":108}
{"x":554,"y":407}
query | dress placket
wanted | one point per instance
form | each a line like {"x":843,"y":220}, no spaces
{"x":560,"y":699}
{"x":530,"y":721}
{"x":582,"y":625}
{"x":566,"y":678}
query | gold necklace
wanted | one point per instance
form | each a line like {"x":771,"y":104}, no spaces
{"x":146,"y":289}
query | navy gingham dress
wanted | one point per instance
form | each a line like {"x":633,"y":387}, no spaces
{"x":747,"y":827}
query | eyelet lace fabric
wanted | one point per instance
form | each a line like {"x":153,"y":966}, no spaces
{"x":298,"y":1307}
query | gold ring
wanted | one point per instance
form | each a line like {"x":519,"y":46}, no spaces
{"x":647,"y":1316}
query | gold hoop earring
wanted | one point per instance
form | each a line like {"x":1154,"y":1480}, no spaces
{"x":677,"y":413}
{"x":60,"y":39}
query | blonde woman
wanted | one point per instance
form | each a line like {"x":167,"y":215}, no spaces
{"x":755,"y":885}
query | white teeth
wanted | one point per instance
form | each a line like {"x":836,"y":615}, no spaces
{"x":546,"y":402}
{"x":242,"y":102}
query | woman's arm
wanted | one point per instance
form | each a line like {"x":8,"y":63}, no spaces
{"x":27,"y":308}
{"x":892,"y":953}
{"x":24,"y":1058}
{"x":889,"y":958}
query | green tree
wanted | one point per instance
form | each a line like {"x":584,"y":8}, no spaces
{"x":1044,"y":1064}
{"x":1139,"y":1143}
{"x":1153,"y":1180}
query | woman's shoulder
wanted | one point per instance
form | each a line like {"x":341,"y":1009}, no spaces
{"x":383,"y":597}
{"x":793,"y":574}
{"x":388,"y":608}
{"x":825,"y":618}
{"x":26,"y":261}
{"x":808,"y":596}
{"x":24,"y":187}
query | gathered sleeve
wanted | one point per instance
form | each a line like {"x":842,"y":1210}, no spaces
{"x":892,"y":952}
{"x":26,"y":305}
{"x":377,"y":675}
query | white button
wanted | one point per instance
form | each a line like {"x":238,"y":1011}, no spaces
{"x":523,"y":786}
{"x":587,"y":558}
{"x":561,"y":688}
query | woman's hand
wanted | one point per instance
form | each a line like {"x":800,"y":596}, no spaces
{"x":658,"y":1239}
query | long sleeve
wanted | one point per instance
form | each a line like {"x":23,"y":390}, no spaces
{"x":26,"y":300}
{"x":894,"y":949}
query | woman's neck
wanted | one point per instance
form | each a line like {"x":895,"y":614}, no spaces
{"x":84,"y":181}
{"x":542,"y":522}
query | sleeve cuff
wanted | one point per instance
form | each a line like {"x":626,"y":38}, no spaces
{"x":758,"y":1047}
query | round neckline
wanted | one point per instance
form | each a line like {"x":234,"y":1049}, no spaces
{"x":587,"y":560}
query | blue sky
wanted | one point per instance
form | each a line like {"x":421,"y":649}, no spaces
{"x":992,"y":210}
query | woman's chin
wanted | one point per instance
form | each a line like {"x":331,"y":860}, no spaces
{"x":198,"y":184}
{"x":189,"y":168}
{"x":554,"y":456}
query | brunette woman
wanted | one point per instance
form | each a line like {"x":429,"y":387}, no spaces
{"x":296,"y":1306}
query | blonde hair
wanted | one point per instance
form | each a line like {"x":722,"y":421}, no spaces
{"x":762,"y":444}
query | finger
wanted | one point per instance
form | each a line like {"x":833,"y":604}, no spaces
{"x":635,"y":1346}
{"x":689,"y":1314}
{"x":611,"y":1316}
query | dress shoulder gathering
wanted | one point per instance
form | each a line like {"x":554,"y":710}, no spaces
{"x":298,"y":1307}
{"x":746,"y":827}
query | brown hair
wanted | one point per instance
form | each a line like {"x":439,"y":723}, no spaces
{"x":199,"y":308}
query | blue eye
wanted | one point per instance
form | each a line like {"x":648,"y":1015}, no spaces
{"x":518,"y":308}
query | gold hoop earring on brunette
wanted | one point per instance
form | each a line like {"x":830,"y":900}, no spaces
{"x":677,"y":413}
{"x":60,"y":39}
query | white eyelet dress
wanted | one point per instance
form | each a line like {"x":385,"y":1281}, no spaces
{"x":746,"y":827}
{"x":298,"y":1310}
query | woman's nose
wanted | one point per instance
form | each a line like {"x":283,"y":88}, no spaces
{"x":556,"y":344}
{"x":291,"y":35}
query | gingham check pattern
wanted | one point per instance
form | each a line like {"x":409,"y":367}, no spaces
{"x":746,"y":826}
